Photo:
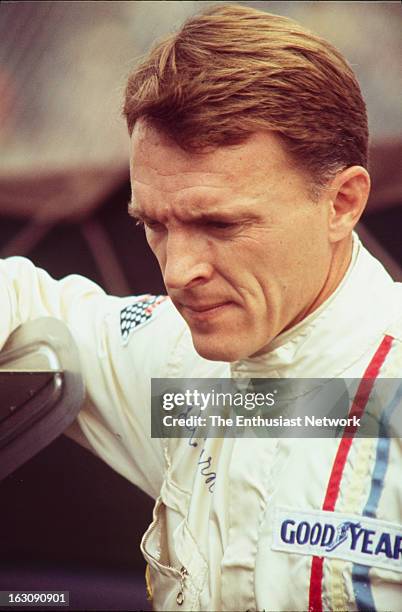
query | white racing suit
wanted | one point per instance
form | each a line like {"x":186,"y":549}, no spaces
{"x":242,"y":524}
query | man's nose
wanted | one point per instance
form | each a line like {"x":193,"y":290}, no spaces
{"x":186,"y":261}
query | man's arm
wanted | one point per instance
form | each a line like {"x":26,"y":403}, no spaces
{"x":122,"y":343}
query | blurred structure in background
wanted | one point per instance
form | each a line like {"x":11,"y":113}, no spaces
{"x":67,"y":521}
{"x":63,"y":67}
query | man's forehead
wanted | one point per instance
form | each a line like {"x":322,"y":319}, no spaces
{"x":179,"y":181}
{"x":156,"y":160}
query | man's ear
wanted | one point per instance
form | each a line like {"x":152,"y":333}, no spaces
{"x":349,"y":193}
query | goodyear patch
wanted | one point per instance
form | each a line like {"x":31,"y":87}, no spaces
{"x":359,"y":539}
{"x":138,"y":313}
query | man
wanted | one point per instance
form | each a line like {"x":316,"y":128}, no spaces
{"x":248,"y":169}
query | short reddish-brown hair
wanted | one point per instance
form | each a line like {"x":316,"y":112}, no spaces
{"x":233,"y":70}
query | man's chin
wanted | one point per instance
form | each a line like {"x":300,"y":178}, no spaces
{"x":218,"y":351}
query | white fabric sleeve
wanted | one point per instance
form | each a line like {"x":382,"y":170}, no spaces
{"x":117,"y":370}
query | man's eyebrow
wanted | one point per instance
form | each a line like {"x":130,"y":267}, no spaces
{"x":198,"y":217}
{"x":221,"y":214}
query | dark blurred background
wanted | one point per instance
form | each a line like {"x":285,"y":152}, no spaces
{"x":67,"y":522}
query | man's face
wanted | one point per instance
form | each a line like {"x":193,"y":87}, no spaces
{"x":243,"y":249}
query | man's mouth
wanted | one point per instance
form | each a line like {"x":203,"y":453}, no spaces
{"x":201,"y":312}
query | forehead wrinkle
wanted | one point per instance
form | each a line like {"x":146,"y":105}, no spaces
{"x":180,"y":179}
{"x":160,"y":173}
{"x":178,"y":189}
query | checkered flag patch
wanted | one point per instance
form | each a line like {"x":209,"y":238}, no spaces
{"x":138,"y":313}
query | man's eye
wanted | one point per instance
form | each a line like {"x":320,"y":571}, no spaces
{"x":150,"y":224}
{"x":220,"y":225}
{"x":155,"y":226}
